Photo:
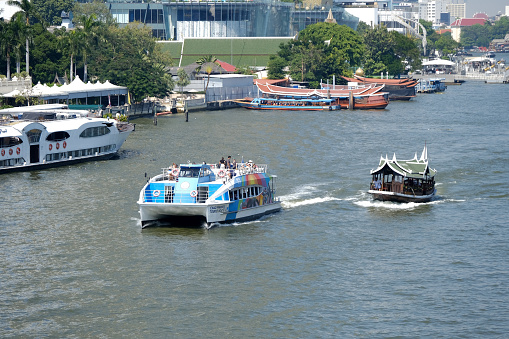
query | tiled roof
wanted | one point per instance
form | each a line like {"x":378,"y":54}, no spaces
{"x":467,"y":22}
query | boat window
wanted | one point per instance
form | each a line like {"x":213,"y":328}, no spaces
{"x":12,"y":162}
{"x":187,"y":172}
{"x":34,"y":135}
{"x":58,"y":136}
{"x":94,"y":132}
{"x":10,"y":141}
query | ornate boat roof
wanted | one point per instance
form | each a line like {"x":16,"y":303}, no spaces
{"x":414,"y":168}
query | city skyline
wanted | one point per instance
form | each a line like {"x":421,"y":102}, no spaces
{"x":490,"y":7}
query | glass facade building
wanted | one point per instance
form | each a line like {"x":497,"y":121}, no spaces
{"x":190,"y":19}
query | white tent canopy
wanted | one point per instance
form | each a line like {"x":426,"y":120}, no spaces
{"x":438,"y":62}
{"x":76,"y":89}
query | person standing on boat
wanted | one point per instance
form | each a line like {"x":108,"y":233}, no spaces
{"x":222,"y":163}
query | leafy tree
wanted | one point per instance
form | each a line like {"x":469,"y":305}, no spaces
{"x":482,"y":35}
{"x":51,"y":10}
{"x":130,"y":57}
{"x":18,"y":39}
{"x":321,"y":50}
{"x":446,"y":44}
{"x":183,"y":80}
{"x":27,"y":11}
{"x":97,"y":7}
{"x":11,"y":40}
{"x":87,"y":36}
{"x":206,"y":63}
{"x":46,"y":57}
{"x":68,"y":43}
{"x":276,"y":66}
{"x":389,"y":51}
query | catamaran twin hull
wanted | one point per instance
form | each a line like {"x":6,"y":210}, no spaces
{"x":191,"y":195}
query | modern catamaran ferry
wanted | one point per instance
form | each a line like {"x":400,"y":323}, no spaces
{"x":44,"y":138}
{"x":403,"y":180}
{"x":194,"y":195}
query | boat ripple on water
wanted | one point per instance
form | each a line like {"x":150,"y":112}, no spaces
{"x":190,"y":194}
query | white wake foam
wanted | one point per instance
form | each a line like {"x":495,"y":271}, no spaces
{"x":312,"y":201}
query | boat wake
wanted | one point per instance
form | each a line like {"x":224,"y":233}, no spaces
{"x":298,"y":203}
{"x":364,"y":200}
{"x":305,"y":197}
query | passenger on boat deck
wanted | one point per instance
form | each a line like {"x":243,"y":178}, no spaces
{"x":234,"y":164}
{"x":229,"y":162}
{"x":222,"y":162}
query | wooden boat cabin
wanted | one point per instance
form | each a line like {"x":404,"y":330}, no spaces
{"x":403,"y":180}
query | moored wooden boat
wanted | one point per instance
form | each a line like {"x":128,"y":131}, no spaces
{"x":368,"y":97}
{"x":290,"y":104}
{"x":398,"y":89}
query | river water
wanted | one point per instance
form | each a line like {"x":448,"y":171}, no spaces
{"x":74,"y":261}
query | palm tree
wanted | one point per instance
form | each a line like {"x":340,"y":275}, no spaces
{"x":207,"y":63}
{"x":86,"y":35}
{"x":27,"y":10}
{"x":6,"y":38}
{"x":69,"y":42}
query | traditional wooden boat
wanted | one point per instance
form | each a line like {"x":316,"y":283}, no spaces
{"x":368,"y":97}
{"x":291,"y":104}
{"x":403,"y":180}
{"x":398,"y":89}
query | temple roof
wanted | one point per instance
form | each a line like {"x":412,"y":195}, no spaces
{"x":413,"y":168}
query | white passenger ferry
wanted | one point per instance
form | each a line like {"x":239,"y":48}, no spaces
{"x":40,"y":139}
{"x":191,"y":195}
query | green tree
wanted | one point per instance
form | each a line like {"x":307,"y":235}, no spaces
{"x":206,"y":63}
{"x":11,"y":40}
{"x":18,"y":39}
{"x":446,"y":44}
{"x":389,"y":51}
{"x":130,"y":57}
{"x":68,"y":43}
{"x":321,"y":51}
{"x":276,"y":66}
{"x":46,"y":55}
{"x":183,"y":80}
{"x":97,"y":7}
{"x":88,"y":38}
{"x":27,"y":11}
{"x":51,"y":10}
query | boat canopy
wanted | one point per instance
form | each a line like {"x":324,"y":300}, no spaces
{"x":438,"y":62}
{"x":414,"y":168}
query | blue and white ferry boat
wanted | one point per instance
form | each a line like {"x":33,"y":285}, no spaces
{"x":194,"y":195}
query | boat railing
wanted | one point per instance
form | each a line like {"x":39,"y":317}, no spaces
{"x":169,"y":196}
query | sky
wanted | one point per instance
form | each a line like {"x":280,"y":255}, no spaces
{"x":490,"y":7}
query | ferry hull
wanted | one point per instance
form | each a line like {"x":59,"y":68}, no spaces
{"x":193,"y":215}
{"x":41,"y":166}
{"x":399,"y":197}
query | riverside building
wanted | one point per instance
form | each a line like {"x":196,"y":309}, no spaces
{"x":171,"y":20}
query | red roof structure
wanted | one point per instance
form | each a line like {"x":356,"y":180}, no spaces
{"x":468,"y":22}
{"x":481,"y":16}
{"x":442,"y":31}
{"x":226,"y":66}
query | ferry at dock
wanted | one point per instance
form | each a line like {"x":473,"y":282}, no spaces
{"x":202,"y":194}
{"x":403,"y":180}
{"x":38,"y":139}
{"x":291,"y":103}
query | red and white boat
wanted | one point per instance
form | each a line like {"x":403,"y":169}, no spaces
{"x":361,"y":97}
